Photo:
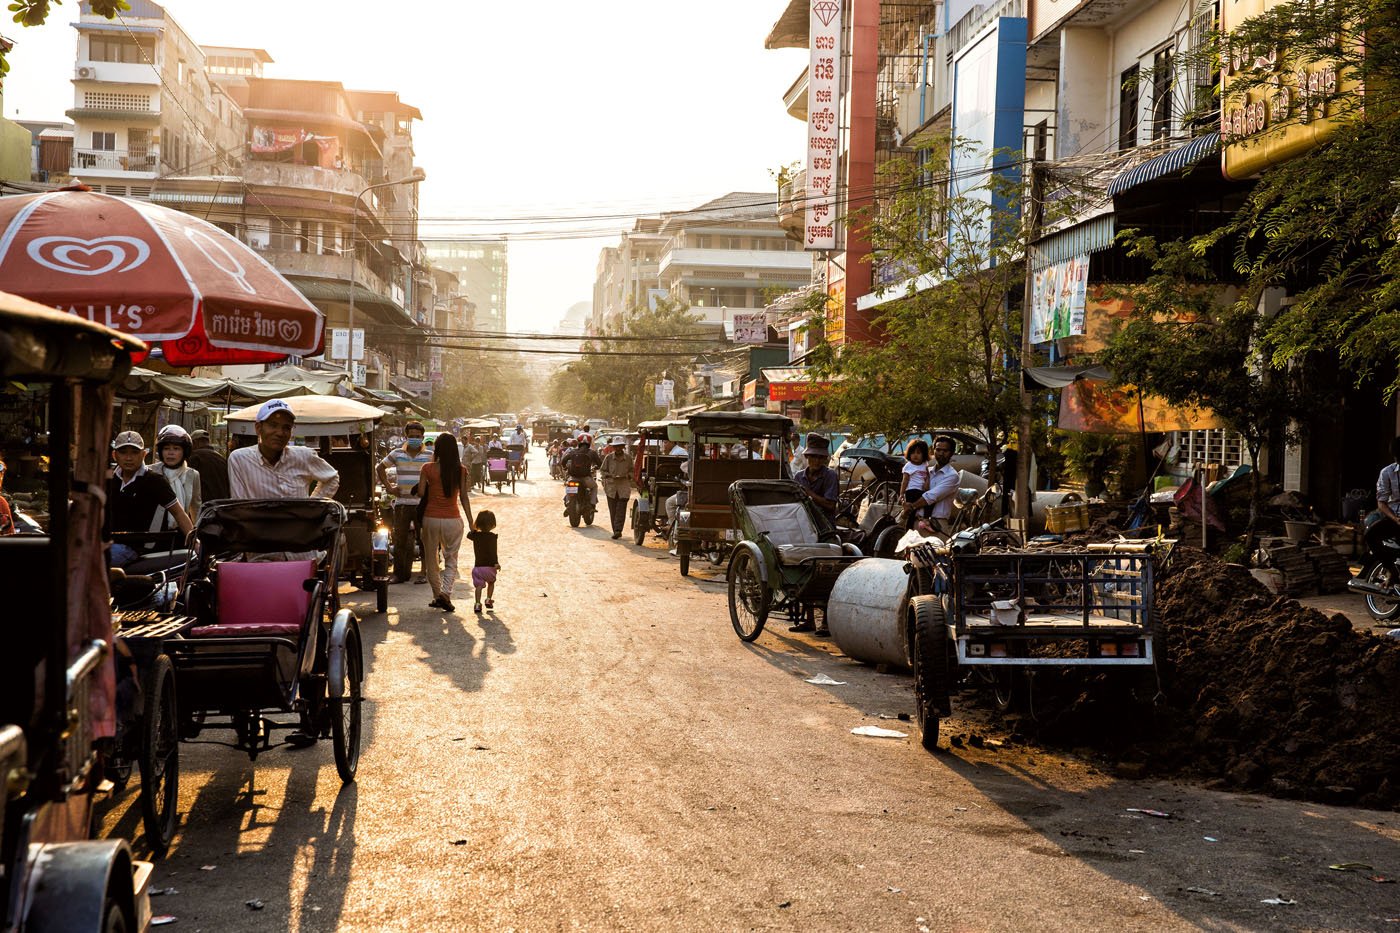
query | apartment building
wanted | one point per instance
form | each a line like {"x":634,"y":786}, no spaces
{"x":627,"y":275}
{"x":145,"y":108}
{"x":483,"y":269}
{"x":728,"y":255}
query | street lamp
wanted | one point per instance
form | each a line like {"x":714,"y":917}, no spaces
{"x":416,"y":176}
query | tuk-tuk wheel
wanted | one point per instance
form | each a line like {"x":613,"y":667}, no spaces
{"x":932,"y":676}
{"x":639,"y":530}
{"x":160,"y":756}
{"x":345,"y":711}
{"x":683,"y":552}
{"x":381,"y":596}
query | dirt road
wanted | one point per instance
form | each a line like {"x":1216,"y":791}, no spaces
{"x":602,"y":753}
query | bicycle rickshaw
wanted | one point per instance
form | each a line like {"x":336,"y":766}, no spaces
{"x":58,"y":703}
{"x":656,"y":474}
{"x":788,"y":559}
{"x":258,"y":634}
{"x":343,"y":432}
{"x":707,"y":523}
{"x":518,"y":457}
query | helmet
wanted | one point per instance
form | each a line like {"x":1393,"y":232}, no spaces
{"x":585,"y":438}
{"x":173,"y":434}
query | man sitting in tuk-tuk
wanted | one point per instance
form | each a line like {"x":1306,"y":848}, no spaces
{"x":135,"y":497}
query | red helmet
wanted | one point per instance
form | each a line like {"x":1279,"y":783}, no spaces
{"x":585,"y":438}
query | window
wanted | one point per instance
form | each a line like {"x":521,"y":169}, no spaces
{"x":121,"y":49}
{"x":104,"y":140}
{"x":704,"y":297}
{"x":731,"y":242}
{"x":1128,"y":109}
{"x":702,"y":241}
{"x":1042,"y":140}
{"x":284,"y":235}
{"x":1162,"y":94}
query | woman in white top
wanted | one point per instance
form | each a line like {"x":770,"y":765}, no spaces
{"x":914,"y":483}
{"x":172,"y":451}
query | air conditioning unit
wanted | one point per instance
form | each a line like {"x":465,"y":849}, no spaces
{"x":87,"y":71}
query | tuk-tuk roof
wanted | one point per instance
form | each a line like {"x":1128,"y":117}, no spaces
{"x":739,"y":424}
{"x":47,"y":343}
{"x":316,"y":415}
{"x":479,"y":424}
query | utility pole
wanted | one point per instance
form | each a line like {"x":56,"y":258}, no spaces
{"x":1023,"y":446}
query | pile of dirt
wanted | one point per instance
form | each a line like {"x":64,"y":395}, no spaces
{"x":1256,"y":691}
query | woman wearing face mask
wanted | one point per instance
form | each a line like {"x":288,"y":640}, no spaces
{"x":172,"y":451}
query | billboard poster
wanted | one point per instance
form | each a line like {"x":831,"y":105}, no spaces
{"x":1057,"y":300}
{"x":823,"y":95}
{"x":750,"y":328}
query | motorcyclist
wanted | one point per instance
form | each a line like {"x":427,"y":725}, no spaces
{"x":579,"y":463}
{"x":173,"y":446}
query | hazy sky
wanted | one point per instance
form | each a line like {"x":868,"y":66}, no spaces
{"x":533,"y":108}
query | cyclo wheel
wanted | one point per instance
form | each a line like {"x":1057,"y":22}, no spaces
{"x":160,"y":756}
{"x":932,"y":677}
{"x":639,"y":530}
{"x":683,"y":552}
{"x":381,"y":596}
{"x":345,"y":716}
{"x":749,"y":599}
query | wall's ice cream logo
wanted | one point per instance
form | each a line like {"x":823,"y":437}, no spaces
{"x":97,"y":256}
{"x":220,"y":258}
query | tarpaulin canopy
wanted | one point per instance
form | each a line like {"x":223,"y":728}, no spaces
{"x":1091,"y":405}
{"x":144,"y":385}
{"x":1057,"y":377}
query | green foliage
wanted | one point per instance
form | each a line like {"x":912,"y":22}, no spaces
{"x":947,"y":356}
{"x":35,"y":12}
{"x":619,"y":388}
{"x":1093,"y":457}
{"x":477,"y":383}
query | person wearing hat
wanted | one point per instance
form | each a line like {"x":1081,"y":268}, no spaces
{"x":135,"y":496}
{"x":820,"y":480}
{"x":616,"y":474}
{"x":212,"y":467}
{"x":274,"y":468}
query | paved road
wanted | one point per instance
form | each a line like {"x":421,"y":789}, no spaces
{"x":602,"y":753}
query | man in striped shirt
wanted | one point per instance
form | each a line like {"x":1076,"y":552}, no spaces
{"x":274,"y":469}
{"x":407,"y":462}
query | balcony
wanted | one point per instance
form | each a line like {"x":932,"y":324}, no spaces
{"x":116,"y":72}
{"x":140,"y":163}
{"x":739,"y":261}
{"x":792,"y":204}
{"x":305,"y":177}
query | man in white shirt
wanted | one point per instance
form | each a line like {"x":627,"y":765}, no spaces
{"x":1387,"y":523}
{"x":942,"y":486}
{"x":274,"y":469}
{"x":519,"y":437}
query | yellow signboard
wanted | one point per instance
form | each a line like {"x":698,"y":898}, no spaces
{"x":1276,"y":122}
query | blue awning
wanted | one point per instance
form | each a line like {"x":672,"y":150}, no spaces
{"x":1167,"y":163}
{"x":1091,"y":236}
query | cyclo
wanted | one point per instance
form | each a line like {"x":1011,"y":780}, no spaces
{"x":344,"y":433}
{"x":707,"y":522}
{"x":58,"y":702}
{"x":656,"y":473}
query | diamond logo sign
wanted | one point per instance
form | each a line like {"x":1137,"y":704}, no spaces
{"x":826,"y":10}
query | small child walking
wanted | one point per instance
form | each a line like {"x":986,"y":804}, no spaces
{"x":487,"y":563}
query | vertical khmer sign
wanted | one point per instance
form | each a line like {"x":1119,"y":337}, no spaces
{"x":823,"y":105}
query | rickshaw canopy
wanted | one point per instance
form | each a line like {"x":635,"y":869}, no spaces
{"x":739,"y":424}
{"x":40,"y":342}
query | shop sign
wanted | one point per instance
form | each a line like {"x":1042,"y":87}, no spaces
{"x":823,"y":124}
{"x":794,"y":391}
{"x":751,"y":328}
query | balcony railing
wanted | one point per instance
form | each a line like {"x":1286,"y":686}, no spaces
{"x":115,"y":160}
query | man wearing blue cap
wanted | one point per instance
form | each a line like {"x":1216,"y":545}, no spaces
{"x":274,"y":468}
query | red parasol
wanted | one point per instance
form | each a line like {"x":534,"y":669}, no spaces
{"x":162,"y":275}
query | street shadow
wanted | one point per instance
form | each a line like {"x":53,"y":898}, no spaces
{"x":461,"y":645}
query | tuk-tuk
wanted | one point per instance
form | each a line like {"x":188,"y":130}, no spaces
{"x":342,"y":431}
{"x":57,"y":677}
{"x":656,"y":474}
{"x":539,"y":431}
{"x":725,"y":447}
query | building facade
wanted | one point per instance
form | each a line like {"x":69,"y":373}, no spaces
{"x":483,"y":269}
{"x":628,"y":275}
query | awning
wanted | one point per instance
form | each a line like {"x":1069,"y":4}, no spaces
{"x":792,"y":384}
{"x":1165,"y":164}
{"x":1057,"y":377}
{"x":1082,"y":239}
{"x":143,"y":384}
{"x":117,"y":27}
{"x":320,"y":290}
{"x":193,"y":197}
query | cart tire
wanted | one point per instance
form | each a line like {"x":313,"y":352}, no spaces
{"x":749,"y":598}
{"x":639,"y":531}
{"x":1010,"y":689}
{"x":886,"y":540}
{"x":381,"y":596}
{"x":933,"y":681}
{"x":160,"y":756}
{"x":345,"y":712}
{"x":683,"y":552}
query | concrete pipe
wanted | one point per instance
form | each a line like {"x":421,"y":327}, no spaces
{"x":866,"y":611}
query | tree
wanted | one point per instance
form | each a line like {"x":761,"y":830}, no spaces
{"x":1326,"y":224}
{"x":36,"y":12}
{"x":947,"y":353}
{"x":478,"y":383}
{"x":660,"y":343}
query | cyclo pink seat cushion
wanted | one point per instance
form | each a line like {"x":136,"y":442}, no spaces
{"x":260,"y":598}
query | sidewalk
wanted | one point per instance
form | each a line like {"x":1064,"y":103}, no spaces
{"x":1351,"y":605}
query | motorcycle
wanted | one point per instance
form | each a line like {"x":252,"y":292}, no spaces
{"x":1381,"y":584}
{"x":578,"y":502}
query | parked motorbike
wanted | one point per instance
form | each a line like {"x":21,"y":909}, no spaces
{"x":1381,"y":584}
{"x":578,"y":502}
